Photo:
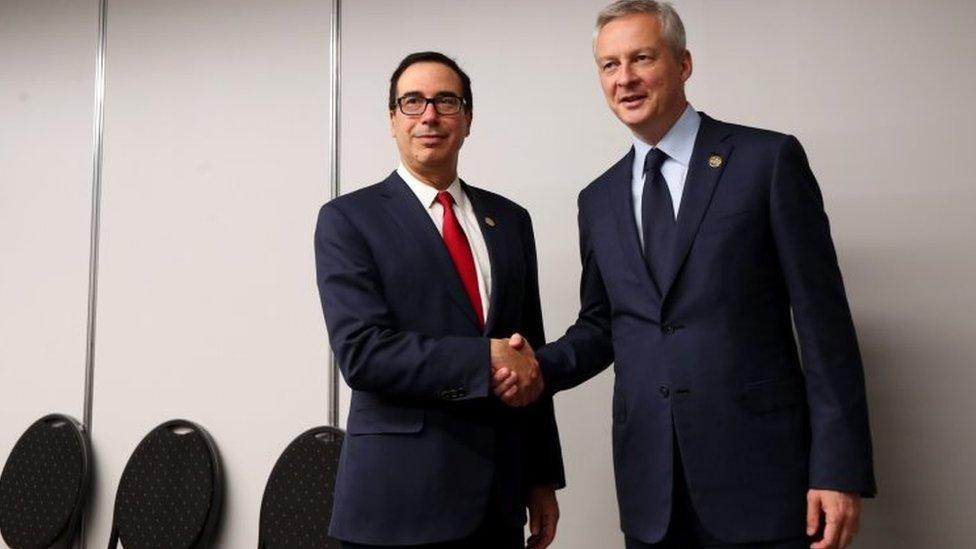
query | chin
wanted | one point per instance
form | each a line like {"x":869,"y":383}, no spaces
{"x":427,"y":157}
{"x":634,"y":118}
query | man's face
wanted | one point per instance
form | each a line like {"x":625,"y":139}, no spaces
{"x":643,"y":81}
{"x":429,"y":141}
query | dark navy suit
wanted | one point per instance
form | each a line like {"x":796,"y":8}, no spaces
{"x":708,"y":357}
{"x":430,"y":452}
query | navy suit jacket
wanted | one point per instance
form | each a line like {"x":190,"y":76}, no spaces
{"x":427,"y":440}
{"x":708,"y":356}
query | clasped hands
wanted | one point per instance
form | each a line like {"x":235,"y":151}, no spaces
{"x":515,"y":375}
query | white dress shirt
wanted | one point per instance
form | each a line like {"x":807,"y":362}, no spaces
{"x":464,"y":212}
{"x":678,"y":144}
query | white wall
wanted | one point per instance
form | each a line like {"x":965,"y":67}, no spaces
{"x":46,"y":90}
{"x":216,"y":159}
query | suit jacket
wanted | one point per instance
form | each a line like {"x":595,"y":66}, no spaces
{"x":427,"y":440}
{"x":708,"y":355}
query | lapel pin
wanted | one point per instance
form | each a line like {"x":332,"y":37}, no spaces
{"x":489,"y":221}
{"x":715,"y":161}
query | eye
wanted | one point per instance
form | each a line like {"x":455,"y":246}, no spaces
{"x":608,"y":65}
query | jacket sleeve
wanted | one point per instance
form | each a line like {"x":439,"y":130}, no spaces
{"x":543,"y":458}
{"x":840,"y":452}
{"x":587,"y":347}
{"x":373,"y":354}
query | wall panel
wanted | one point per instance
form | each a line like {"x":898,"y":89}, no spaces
{"x":216,"y":161}
{"x":47,"y":59}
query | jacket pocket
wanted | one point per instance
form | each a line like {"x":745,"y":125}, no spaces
{"x":375,"y":420}
{"x":762,"y":397}
{"x":718,"y":222}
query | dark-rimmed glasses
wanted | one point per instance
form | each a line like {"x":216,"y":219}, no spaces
{"x":414,"y":105}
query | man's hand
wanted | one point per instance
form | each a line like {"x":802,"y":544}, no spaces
{"x":543,"y":516}
{"x":516,"y":378}
{"x":843,"y":513}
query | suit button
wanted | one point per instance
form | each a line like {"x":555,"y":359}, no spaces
{"x":668,"y":329}
{"x":664,"y":390}
{"x":453,"y":393}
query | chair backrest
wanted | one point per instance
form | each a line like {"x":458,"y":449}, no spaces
{"x":44,"y":484}
{"x":171,"y":491}
{"x":297,"y":504}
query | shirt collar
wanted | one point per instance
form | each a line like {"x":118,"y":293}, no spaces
{"x":427,"y":194}
{"x":678,"y":143}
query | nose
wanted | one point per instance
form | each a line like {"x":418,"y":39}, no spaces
{"x":429,"y":115}
{"x":626,"y":75}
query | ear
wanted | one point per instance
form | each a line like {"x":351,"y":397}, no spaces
{"x":686,"y":66}
{"x":393,"y":124}
{"x":469,"y":117}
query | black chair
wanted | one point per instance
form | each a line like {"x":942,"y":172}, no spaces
{"x":171,"y":491}
{"x":44,"y":484}
{"x":297,"y":503}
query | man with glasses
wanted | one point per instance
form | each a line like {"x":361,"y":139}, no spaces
{"x":421,"y":276}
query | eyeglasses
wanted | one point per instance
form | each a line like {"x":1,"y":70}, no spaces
{"x":414,"y":105}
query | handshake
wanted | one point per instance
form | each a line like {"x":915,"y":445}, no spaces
{"x":515,"y":375}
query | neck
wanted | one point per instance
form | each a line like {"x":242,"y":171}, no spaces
{"x":654,"y":130}
{"x":439,"y":178}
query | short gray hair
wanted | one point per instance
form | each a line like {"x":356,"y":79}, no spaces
{"x":671,"y":25}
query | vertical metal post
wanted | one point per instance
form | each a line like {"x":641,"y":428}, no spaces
{"x":98,"y":123}
{"x":96,"y":206}
{"x":334,"y":119}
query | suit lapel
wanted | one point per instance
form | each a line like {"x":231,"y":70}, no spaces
{"x":622,"y":206}
{"x":404,"y":207}
{"x":498,"y":252}
{"x":703,"y":175}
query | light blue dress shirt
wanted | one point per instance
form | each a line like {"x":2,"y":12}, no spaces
{"x":678,"y":144}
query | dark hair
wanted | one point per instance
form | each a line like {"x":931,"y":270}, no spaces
{"x":431,"y":57}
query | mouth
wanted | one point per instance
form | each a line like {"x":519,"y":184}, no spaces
{"x":430,"y":138}
{"x":631,"y":101}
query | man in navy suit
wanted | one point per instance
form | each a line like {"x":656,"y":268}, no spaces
{"x":420,"y":276}
{"x":697,"y":249}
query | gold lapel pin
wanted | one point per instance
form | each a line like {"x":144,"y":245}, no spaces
{"x":715,"y":161}
{"x":489,"y":221}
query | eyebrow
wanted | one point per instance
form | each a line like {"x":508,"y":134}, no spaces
{"x":648,"y":49}
{"x":441,"y":93}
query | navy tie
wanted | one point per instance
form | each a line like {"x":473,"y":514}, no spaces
{"x":657,"y":218}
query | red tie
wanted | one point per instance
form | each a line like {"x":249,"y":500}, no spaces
{"x":460,"y":250}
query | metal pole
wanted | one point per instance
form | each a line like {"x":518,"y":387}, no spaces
{"x":98,"y":124}
{"x":97,"y":130}
{"x":334,"y":119}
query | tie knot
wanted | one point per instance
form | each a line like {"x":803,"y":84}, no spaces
{"x":445,"y":199}
{"x":653,"y":160}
